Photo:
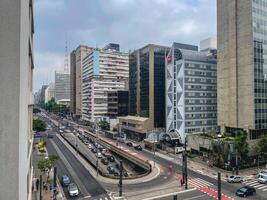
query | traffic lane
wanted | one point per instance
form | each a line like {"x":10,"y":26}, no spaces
{"x":227,"y":188}
{"x":192,"y":195}
{"x":86,"y":152}
{"x":89,"y":182}
{"x":62,"y":170}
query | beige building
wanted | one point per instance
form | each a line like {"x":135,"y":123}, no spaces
{"x":146,"y":92}
{"x":242,"y":68}
{"x":49,"y":92}
{"x":76,"y":58}
{"x":16,"y":105}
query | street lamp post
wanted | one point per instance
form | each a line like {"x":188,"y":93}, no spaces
{"x":154,"y":156}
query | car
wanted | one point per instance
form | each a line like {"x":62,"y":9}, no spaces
{"x":86,"y":142}
{"x":73,"y":190}
{"x":104,"y":161}
{"x":129,"y":144}
{"x":111,"y":158}
{"x":234,"y":179}
{"x":94,"y":150}
{"x":98,"y":155}
{"x":138,"y":147}
{"x":89,"y":146}
{"x":50,"y":135}
{"x":116,"y":172}
{"x":65,"y":180}
{"x":263,"y":172}
{"x":245,"y":191}
{"x":125,"y":173}
{"x":262,"y":178}
{"x":111,"y":169}
{"x":60,"y":131}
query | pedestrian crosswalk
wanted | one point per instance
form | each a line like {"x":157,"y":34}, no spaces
{"x":254,"y":183}
{"x":200,"y":182}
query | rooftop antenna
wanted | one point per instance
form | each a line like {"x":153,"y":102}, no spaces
{"x":66,"y":63}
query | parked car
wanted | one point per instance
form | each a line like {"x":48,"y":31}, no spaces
{"x":65,"y":180}
{"x":93,"y":150}
{"x":129,"y":144}
{"x":98,"y":155}
{"x":234,"y":179}
{"x":111,"y":158}
{"x":73,"y":190}
{"x":262,"y":178}
{"x":104,"y":161}
{"x":138,"y":147}
{"x":110,"y":169}
{"x":245,"y":191}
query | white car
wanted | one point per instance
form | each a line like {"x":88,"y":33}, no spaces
{"x":89,"y":146}
{"x":262,"y":178}
{"x":98,"y":155}
{"x":234,"y":179}
{"x":263,"y":172}
{"x":73,"y":190}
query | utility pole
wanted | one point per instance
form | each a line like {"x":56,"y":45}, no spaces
{"x":219,"y":186}
{"x":55,"y":182}
{"x":120,"y":182}
{"x":41,"y":187}
{"x":236,"y":161}
{"x":185,"y":165}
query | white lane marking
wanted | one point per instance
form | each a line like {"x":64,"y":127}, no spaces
{"x":253,"y":184}
{"x":201,"y":181}
{"x":170,"y":194}
{"x":250,"y":182}
{"x":262,"y":187}
{"x":257,"y":186}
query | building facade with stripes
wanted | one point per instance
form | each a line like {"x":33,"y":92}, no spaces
{"x":103,"y":71}
{"x":191,"y":103}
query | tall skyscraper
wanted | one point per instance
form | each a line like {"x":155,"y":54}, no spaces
{"x":76,"y":58}
{"x":62,"y":86}
{"x":16,"y":104}
{"x":146,"y":92}
{"x":242,"y":66}
{"x":103,"y":71}
{"x":190,"y":90}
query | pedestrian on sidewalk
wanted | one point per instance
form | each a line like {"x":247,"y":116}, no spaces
{"x":37,"y":184}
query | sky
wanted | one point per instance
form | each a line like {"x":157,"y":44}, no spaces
{"x":130,"y":23}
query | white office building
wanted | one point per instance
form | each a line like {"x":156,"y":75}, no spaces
{"x":102,"y":71}
{"x":62,"y":85}
{"x":16,"y":94}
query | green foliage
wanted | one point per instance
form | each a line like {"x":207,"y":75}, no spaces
{"x":104,"y":125}
{"x":261,"y":146}
{"x":39,"y":125}
{"x":36,"y":110}
{"x":241,"y":145}
{"x":47,"y":164}
{"x":220,"y":151}
{"x":52,"y":106}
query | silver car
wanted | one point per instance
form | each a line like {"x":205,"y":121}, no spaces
{"x":73,"y":190}
{"x":234,"y":179}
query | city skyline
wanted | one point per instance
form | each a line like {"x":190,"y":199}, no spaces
{"x":132,"y":16}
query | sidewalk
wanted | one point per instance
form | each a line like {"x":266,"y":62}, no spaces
{"x":47,"y":194}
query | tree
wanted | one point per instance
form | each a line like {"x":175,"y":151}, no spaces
{"x":221,"y":151}
{"x":261,"y":146}
{"x":36,"y":110}
{"x":104,"y":125}
{"x":39,"y":125}
{"x":47,"y":164}
{"x":241,"y":145}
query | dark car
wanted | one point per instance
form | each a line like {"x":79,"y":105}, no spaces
{"x":111,"y":169}
{"x":65,"y":180}
{"x":116,"y":172}
{"x":245,"y":191}
{"x":138,"y":147}
{"x":104,"y":161}
{"x":129,"y":144}
{"x":50,"y":135}
{"x":111,"y":158}
{"x":94,"y":150}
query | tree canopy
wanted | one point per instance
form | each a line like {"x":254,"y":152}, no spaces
{"x":104,"y":125}
{"x":39,"y":125}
